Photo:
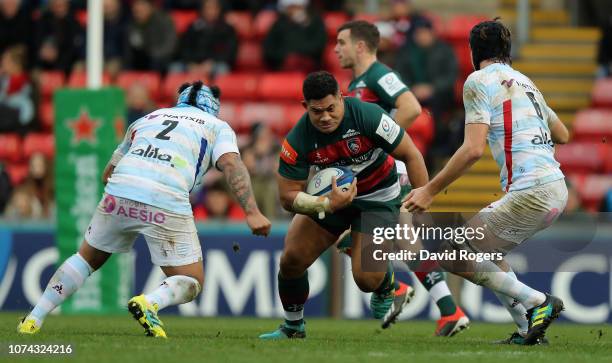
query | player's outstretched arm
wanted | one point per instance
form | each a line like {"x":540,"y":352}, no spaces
{"x":470,"y":151}
{"x":239,"y":182}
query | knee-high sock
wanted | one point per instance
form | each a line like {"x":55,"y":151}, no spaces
{"x":515,"y":308}
{"x":68,"y":278}
{"x":174,"y":290}
{"x":431,"y":275}
{"x":293,"y":294}
{"x":490,"y":275}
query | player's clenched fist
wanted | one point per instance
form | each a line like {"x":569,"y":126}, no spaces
{"x":259,"y":224}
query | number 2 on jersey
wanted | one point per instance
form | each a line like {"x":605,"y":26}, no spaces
{"x":535,"y":103}
{"x":171,"y":125}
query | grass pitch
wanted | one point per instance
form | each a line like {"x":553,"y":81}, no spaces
{"x":120,"y":339}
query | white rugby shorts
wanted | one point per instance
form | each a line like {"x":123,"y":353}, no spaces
{"x":172,"y":238}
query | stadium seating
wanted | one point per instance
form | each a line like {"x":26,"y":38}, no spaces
{"x":151,"y":80}
{"x":330,"y":59}
{"x":17,"y":172}
{"x":263,"y":22}
{"x":10,"y":147}
{"x":229,"y":113}
{"x":593,"y":125}
{"x":49,"y":82}
{"x":81,"y":17}
{"x":45,"y":114}
{"x":237,"y":86}
{"x":464,"y":58}
{"x":372,"y":18}
{"x":293,"y":112}
{"x":593,"y":190}
{"x":78,"y":79}
{"x":250,"y":57}
{"x":422,"y":131}
{"x":271,"y":114}
{"x":173,"y":81}
{"x":242,"y":21}
{"x":602,"y":93}
{"x":39,"y":142}
{"x":182,"y":19}
{"x":573,"y":160}
{"x":281,"y":86}
{"x":333,"y":20}
{"x":459,"y":26}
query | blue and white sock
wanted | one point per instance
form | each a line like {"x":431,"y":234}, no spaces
{"x":68,"y":278}
{"x":174,"y":290}
{"x":515,"y":308}
{"x":490,"y":275}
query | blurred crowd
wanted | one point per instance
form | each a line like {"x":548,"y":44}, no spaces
{"x":38,"y":36}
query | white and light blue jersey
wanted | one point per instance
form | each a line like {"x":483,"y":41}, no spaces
{"x":165,"y":154}
{"x":518,"y":118}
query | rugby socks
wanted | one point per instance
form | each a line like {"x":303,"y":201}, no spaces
{"x":490,"y":275}
{"x":68,"y":278}
{"x":515,"y":308}
{"x":388,"y":283}
{"x":293,"y":294}
{"x":432,"y":277}
{"x":174,"y":290}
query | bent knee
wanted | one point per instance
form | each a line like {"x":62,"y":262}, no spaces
{"x":292,"y":265}
{"x":368,"y":281}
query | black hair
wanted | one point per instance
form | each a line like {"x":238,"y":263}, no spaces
{"x":193,"y":93}
{"x":363,"y":30}
{"x":490,"y":40}
{"x":318,"y":85}
{"x":216,"y":91}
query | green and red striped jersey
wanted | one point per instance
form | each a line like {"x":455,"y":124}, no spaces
{"x":362,"y":142}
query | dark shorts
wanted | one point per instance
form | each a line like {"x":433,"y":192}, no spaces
{"x":393,"y":206}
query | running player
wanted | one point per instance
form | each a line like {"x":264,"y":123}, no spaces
{"x":505,"y":106}
{"x":356,"y":47}
{"x":163,"y":156}
{"x":337,"y":131}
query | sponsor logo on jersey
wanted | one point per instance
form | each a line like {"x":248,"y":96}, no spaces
{"x":350,"y":133}
{"x":354,"y":145}
{"x":288,"y":153}
{"x":391,"y":83}
{"x":152,"y":153}
{"x":388,"y":129}
{"x":542,"y":139}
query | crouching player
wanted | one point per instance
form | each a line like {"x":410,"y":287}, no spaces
{"x":338,"y":131}
{"x":163,"y":156}
{"x":505,"y":107}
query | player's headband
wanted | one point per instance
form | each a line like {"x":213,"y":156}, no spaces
{"x":205,"y":100}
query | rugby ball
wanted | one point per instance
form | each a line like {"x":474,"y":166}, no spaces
{"x":321,"y":182}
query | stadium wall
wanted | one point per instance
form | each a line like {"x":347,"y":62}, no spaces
{"x":241,"y":277}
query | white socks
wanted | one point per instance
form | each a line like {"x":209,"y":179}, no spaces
{"x":174,"y":290}
{"x":515,"y":308}
{"x":490,"y":275}
{"x":68,"y":278}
